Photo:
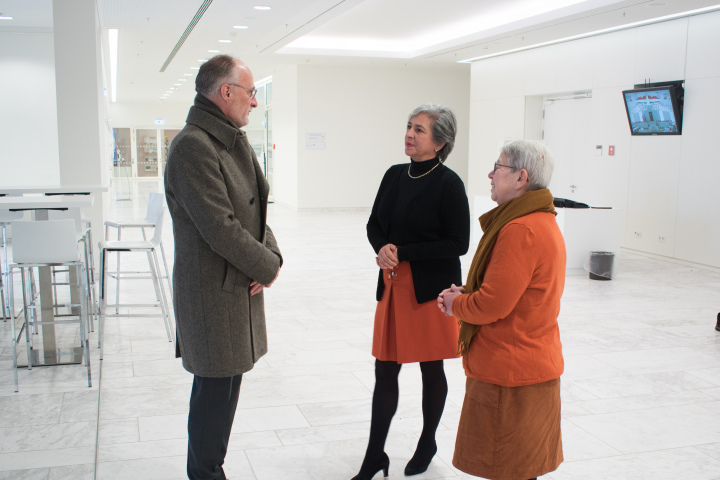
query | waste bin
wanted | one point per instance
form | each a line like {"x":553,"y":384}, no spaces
{"x":600,"y":265}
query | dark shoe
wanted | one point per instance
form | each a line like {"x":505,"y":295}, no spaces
{"x":383,"y":463}
{"x":420,"y":460}
{"x":717,"y":325}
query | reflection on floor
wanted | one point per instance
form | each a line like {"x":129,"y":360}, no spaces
{"x":641,"y":390}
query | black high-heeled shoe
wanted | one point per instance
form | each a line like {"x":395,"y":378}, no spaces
{"x":383,"y":463}
{"x":420,"y":461}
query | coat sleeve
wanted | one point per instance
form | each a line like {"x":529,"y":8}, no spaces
{"x":198,"y":186}
{"x":455,"y":225}
{"x":271,"y":243}
{"x":508,"y":275}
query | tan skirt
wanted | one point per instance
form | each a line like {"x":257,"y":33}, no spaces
{"x":509,"y":433}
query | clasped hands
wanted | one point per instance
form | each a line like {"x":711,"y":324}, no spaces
{"x":446,"y":297}
{"x":256,"y":287}
{"x":387,"y":257}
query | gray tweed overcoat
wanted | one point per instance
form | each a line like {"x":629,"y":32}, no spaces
{"x":217,"y":197}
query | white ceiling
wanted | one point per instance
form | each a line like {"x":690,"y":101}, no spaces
{"x":413,"y":33}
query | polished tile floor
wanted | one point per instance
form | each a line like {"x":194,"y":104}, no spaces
{"x":641,"y":389}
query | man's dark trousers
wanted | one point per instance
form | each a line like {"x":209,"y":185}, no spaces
{"x":212,"y":408}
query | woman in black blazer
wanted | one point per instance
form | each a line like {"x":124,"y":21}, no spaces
{"x":419,"y":227}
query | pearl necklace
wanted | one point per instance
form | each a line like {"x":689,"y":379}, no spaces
{"x":419,"y":176}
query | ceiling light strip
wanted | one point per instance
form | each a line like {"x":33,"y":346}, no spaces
{"x":628,"y":26}
{"x":186,"y":34}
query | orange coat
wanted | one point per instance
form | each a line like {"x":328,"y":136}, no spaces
{"x":518,"y":305}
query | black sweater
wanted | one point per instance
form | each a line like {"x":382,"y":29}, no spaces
{"x":435,"y":231}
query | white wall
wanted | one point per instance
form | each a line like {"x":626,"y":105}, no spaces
{"x":28,"y":125}
{"x":666,"y":186}
{"x":363,"y":112}
{"x":285,"y":135}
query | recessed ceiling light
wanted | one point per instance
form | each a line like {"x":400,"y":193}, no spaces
{"x":202,"y":60}
{"x":189,"y":74}
{"x":213,"y":51}
{"x":178,"y":84}
{"x":261,"y":7}
{"x":240,"y":27}
{"x":194,"y":68}
{"x":182,"y":79}
{"x":5,"y":17}
{"x":225,"y":41}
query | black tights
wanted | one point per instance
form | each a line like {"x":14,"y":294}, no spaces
{"x":385,"y":401}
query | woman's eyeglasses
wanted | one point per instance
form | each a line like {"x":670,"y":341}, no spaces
{"x":498,"y":165}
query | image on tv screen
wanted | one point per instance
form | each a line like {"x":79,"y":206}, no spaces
{"x":651,"y":111}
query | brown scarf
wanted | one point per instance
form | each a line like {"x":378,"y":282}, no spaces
{"x":491,"y":223}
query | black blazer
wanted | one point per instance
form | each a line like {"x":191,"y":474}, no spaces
{"x":436,"y":231}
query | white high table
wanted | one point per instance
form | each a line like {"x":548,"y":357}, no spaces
{"x":52,"y":189}
{"x":39,"y":205}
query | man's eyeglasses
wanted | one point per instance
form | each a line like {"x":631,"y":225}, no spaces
{"x":498,"y":165}
{"x":251,"y":91}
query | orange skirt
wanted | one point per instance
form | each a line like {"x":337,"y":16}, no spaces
{"x":509,"y":433}
{"x":406,"y":331}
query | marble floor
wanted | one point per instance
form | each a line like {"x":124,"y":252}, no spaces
{"x":641,"y":389}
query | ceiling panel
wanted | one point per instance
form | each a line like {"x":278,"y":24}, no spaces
{"x":150,"y":29}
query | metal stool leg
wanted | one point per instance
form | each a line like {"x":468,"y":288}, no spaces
{"x":28,"y":337}
{"x":102,"y":292}
{"x":167,"y":272}
{"x":157,"y":279}
{"x":91,"y":268}
{"x":4,"y":273}
{"x":12,"y":328}
{"x":82,"y":291}
{"x":117,"y":276}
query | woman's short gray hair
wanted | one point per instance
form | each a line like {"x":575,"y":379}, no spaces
{"x":534,"y":157}
{"x":444,"y":126}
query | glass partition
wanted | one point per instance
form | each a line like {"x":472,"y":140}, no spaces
{"x":147,"y":152}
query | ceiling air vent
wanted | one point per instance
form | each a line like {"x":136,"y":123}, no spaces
{"x":186,"y":33}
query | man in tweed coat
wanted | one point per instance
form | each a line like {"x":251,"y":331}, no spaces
{"x":225,"y":255}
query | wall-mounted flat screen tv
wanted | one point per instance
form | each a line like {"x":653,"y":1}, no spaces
{"x":655,"y":109}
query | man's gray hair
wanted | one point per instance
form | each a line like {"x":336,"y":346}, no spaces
{"x":444,"y":126}
{"x":218,"y":70}
{"x":534,"y":157}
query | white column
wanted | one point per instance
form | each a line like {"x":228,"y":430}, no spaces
{"x":82,"y":131}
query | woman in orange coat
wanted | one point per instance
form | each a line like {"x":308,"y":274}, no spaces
{"x":509,"y":337}
{"x":419,"y":226}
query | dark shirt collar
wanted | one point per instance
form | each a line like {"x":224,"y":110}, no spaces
{"x":208,"y":116}
{"x":418,"y":168}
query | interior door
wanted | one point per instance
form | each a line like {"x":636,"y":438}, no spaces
{"x":567,"y":132}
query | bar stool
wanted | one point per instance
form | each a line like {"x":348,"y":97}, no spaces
{"x":83,"y":236}
{"x":6,"y":216}
{"x":150,"y":247}
{"x":46,"y":244}
{"x":155,"y":208}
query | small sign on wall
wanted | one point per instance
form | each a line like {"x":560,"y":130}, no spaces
{"x":315,"y":141}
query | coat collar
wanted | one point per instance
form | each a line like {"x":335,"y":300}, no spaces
{"x":208,"y":116}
